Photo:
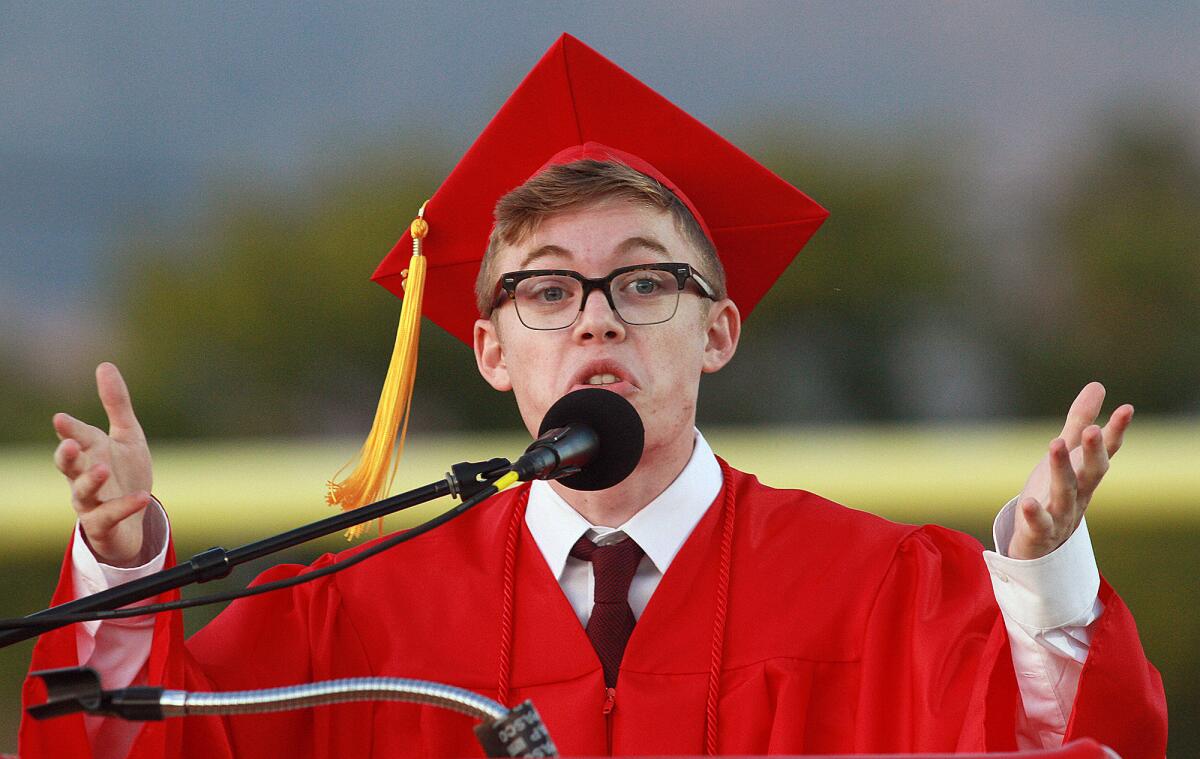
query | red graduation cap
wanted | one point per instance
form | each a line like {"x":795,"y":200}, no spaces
{"x":574,"y":104}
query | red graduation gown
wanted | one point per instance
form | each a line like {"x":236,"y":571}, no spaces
{"x":844,"y":633}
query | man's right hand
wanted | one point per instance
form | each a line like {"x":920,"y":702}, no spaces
{"x":110,"y":474}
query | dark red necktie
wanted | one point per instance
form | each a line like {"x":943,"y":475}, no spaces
{"x":611,"y":622}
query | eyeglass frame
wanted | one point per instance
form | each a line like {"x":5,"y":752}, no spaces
{"x":506,"y":286}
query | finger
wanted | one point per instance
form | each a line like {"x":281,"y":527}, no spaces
{"x":85,"y":492}
{"x":114,"y":395}
{"x":68,"y":459}
{"x":1062,"y":479}
{"x":1083,"y":411}
{"x":111,"y":513}
{"x":1095,"y":460}
{"x":68,"y":427}
{"x":1036,"y":516}
{"x":1114,"y":431}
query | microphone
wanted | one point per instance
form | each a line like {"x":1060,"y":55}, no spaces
{"x":590,"y":439}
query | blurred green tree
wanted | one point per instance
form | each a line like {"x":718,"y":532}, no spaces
{"x":1125,"y":238}
{"x":258,"y":317}
{"x":890,"y":248}
{"x":24,"y":412}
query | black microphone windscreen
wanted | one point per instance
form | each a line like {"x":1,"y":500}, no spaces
{"x":616,"y":423}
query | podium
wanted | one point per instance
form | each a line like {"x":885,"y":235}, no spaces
{"x":1080,"y":749}
{"x":1084,"y":748}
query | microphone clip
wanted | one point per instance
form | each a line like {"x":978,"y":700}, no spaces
{"x":468,"y":478}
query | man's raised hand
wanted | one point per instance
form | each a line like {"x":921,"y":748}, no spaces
{"x":110,"y":474}
{"x":1061,"y":485}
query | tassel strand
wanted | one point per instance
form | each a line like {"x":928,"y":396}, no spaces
{"x":379,"y":457}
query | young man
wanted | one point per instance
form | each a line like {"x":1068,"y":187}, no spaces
{"x":688,"y":609}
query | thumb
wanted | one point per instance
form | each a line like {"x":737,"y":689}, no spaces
{"x":114,"y":395}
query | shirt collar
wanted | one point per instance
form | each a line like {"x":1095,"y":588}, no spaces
{"x":660,"y":528}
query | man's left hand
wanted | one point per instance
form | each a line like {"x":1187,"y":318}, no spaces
{"x":1052,"y":503}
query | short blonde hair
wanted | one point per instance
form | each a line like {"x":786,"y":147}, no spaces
{"x":568,"y":186}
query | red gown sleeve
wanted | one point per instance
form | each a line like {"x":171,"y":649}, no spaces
{"x":257,"y":642}
{"x":1120,"y":701}
{"x":938,"y":672}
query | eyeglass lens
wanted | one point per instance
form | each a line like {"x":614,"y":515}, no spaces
{"x":552,"y":301}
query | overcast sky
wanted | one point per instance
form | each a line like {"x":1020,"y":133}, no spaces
{"x":103,"y":110}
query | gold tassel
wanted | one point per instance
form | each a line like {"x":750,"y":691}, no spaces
{"x":380,"y":454}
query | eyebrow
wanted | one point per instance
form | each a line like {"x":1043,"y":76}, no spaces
{"x":543,"y":252}
{"x":637,"y":242}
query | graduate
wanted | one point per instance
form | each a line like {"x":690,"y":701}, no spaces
{"x":597,"y":236}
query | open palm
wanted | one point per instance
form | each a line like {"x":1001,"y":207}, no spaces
{"x":110,"y":473}
{"x":1058,"y":491}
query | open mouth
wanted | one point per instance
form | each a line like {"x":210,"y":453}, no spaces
{"x":606,"y":374}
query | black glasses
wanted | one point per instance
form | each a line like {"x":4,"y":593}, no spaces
{"x":640,"y":294}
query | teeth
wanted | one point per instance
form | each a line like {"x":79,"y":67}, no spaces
{"x":602,"y":379}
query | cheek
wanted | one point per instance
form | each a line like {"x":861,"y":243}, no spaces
{"x":533,"y":376}
{"x":677,"y":362}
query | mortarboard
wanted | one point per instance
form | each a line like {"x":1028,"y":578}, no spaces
{"x":573,"y":104}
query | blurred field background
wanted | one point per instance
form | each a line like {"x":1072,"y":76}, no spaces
{"x":200,"y":194}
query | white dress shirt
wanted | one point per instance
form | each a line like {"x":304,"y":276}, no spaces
{"x":1047,"y":603}
{"x":660,"y":529}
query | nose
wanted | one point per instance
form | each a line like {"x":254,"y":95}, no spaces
{"x":598,"y":320}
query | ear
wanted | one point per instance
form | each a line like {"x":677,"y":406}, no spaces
{"x":721,"y":337}
{"x":489,"y":355}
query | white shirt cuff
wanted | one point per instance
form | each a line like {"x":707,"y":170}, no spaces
{"x":1054,"y":591}
{"x":90,"y":576}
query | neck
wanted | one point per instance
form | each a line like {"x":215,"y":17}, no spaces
{"x":615,"y":506}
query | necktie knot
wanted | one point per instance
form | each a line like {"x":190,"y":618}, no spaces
{"x":613,"y":566}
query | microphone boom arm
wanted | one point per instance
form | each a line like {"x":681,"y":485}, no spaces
{"x":464,"y":480}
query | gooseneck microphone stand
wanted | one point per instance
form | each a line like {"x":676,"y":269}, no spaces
{"x":500,"y":731}
{"x":465,"y":480}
